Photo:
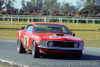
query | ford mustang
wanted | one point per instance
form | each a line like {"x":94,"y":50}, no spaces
{"x":48,"y":38}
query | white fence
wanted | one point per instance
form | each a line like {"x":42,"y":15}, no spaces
{"x":45,"y":19}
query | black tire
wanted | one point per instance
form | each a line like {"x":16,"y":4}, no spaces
{"x":35,"y":50}
{"x":20,"y":47}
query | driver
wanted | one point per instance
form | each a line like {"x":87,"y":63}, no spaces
{"x":56,"y":30}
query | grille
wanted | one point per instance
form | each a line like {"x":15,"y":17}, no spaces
{"x":63,"y":44}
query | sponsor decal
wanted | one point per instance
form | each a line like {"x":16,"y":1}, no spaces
{"x":26,"y":41}
{"x":73,"y":38}
{"x":54,"y":37}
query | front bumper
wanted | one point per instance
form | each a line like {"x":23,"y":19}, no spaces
{"x":60,"y":50}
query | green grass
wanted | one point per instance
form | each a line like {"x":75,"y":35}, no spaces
{"x":91,"y":38}
{"x":6,"y":24}
{"x":81,"y":26}
{"x":8,"y":34}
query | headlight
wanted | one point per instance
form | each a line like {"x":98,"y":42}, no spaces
{"x":75,"y":45}
{"x":81,"y":45}
{"x":50,"y":44}
{"x":43,"y":43}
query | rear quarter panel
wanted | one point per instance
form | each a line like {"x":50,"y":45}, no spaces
{"x":20,"y":34}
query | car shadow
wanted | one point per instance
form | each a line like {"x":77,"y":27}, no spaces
{"x":84,"y":57}
{"x":89,"y":57}
{"x":68,"y":57}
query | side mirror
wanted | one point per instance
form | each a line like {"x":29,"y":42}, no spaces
{"x":73,"y":34}
{"x":22,"y":28}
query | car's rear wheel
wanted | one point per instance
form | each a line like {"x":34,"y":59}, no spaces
{"x":35,"y":50}
{"x":20,"y":47}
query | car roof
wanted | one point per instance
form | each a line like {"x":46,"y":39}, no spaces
{"x":46,"y":23}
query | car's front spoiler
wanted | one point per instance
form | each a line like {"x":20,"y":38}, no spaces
{"x":60,"y":48}
{"x":61,"y":51}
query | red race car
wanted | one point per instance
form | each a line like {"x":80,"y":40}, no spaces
{"x":48,"y":38}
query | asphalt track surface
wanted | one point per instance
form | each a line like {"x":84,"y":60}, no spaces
{"x":9,"y":54}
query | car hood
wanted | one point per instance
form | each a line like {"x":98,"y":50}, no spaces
{"x":56,"y":36}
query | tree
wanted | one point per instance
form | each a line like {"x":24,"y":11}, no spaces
{"x":23,"y":4}
{"x":32,"y":5}
{"x":80,"y":4}
{"x":85,"y":3}
{"x":1,"y":4}
{"x":88,"y":6}
{"x":91,"y":2}
{"x":48,"y":5}
{"x":51,"y":5}
{"x":39,"y":4}
{"x":67,"y":7}
{"x":6,"y":4}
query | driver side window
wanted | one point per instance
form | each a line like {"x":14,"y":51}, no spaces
{"x":29,"y":29}
{"x":64,"y":30}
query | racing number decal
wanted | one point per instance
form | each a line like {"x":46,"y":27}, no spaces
{"x":26,"y":41}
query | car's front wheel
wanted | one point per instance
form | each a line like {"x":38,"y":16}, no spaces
{"x":35,"y":50}
{"x":20,"y":47}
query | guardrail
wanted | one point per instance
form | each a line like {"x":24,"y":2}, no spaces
{"x":45,"y":19}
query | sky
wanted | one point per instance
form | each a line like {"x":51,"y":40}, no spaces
{"x":18,"y":5}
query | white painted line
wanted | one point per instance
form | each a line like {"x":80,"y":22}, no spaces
{"x":11,"y":63}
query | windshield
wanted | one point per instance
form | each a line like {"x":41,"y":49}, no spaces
{"x":49,"y":28}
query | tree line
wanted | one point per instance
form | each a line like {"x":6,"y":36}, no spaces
{"x":37,"y":5}
{"x":49,"y":5}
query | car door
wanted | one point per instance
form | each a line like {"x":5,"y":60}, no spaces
{"x":27,"y":36}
